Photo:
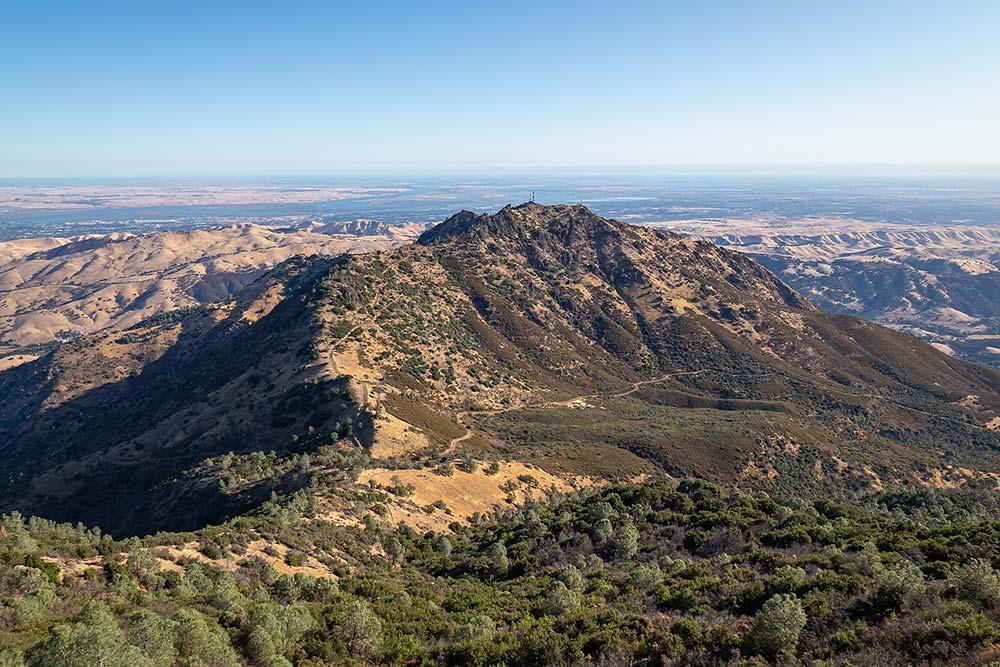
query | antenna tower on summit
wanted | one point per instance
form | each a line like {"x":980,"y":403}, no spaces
{"x":532,"y":196}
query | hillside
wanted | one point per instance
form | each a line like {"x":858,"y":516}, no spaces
{"x":56,"y":289}
{"x":651,"y":574}
{"x":561,"y":304}
{"x":548,"y":336}
{"x":935,"y":283}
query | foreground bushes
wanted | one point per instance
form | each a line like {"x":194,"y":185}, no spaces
{"x":628,"y":575}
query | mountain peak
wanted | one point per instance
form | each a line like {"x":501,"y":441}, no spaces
{"x":522,"y":221}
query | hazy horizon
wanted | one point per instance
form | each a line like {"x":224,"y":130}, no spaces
{"x":370,"y":175}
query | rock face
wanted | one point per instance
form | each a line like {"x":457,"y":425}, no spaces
{"x":545,"y":334}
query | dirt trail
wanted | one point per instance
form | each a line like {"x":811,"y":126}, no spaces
{"x":634,"y":387}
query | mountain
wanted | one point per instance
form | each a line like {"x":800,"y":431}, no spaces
{"x":544,"y":335}
{"x":56,"y":289}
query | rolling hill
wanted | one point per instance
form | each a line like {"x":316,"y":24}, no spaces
{"x":59,"y":288}
{"x":936,"y":283}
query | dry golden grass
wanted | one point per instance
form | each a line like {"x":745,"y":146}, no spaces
{"x":396,"y":438}
{"x":16,"y":360}
{"x":69,"y":567}
{"x":953,"y":478}
{"x":273,"y":553}
{"x":465,"y":494}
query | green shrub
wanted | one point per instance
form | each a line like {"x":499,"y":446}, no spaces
{"x":778,"y":625}
{"x":899,"y":584}
{"x":559,"y":600}
{"x":977,"y":581}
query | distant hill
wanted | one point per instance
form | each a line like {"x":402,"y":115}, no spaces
{"x":940,"y":283}
{"x":592,"y":349}
{"x":362,"y":227}
{"x":55,"y":289}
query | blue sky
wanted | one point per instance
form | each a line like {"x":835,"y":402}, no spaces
{"x":191,"y":88}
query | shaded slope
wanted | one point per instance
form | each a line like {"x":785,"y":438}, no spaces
{"x":91,"y":430}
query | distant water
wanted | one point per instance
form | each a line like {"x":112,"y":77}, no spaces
{"x":634,"y":198}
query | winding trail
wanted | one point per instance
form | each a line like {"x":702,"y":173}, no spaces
{"x":634,"y":387}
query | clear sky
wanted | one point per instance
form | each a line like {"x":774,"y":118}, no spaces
{"x":102,"y":88}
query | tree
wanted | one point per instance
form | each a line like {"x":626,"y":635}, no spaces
{"x":478,"y":628}
{"x":626,"y":542}
{"x":95,"y":640}
{"x":362,"y":630}
{"x":224,"y":594}
{"x":209,"y":645}
{"x":11,"y":658}
{"x":600,"y":511}
{"x":868,"y":560}
{"x":602,"y":531}
{"x":141,"y":563}
{"x":272,"y":630}
{"x":29,"y":611}
{"x":646,"y":577}
{"x":15,"y":537}
{"x":444,"y":547}
{"x":155,"y":636}
{"x":788,"y":579}
{"x":777,"y":626}
{"x":499,"y":563}
{"x":260,"y":646}
{"x":898,"y":584}
{"x":560,"y":600}
{"x":573,"y":579}
{"x":977,"y":581}
{"x":394,"y":549}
